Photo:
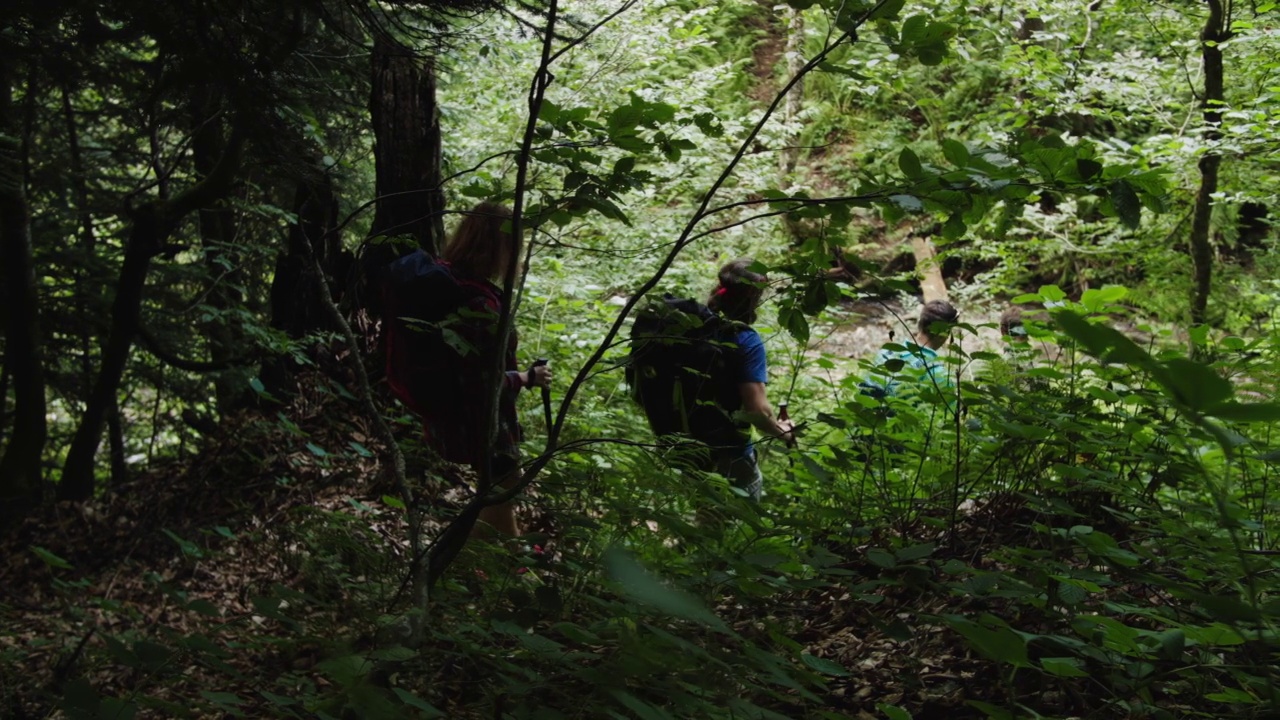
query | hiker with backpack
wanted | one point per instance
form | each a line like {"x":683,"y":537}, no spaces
{"x":701,"y":370}
{"x":441,"y":336}
{"x":918,"y":360}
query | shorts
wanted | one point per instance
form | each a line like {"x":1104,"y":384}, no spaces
{"x":742,"y":471}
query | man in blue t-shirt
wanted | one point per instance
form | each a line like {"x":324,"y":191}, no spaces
{"x":736,"y":298}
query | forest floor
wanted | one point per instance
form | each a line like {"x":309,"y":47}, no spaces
{"x":157,"y":590}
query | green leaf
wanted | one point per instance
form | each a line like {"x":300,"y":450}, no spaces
{"x":907,"y":202}
{"x":893,"y":712}
{"x":392,"y":501}
{"x":1063,"y":666}
{"x":881,"y":558}
{"x":910,"y":164}
{"x":888,"y":10}
{"x":955,"y":152}
{"x":188,"y":547}
{"x":1128,"y":206}
{"x":222,"y":698}
{"x":914,"y":552}
{"x":1232,"y":695}
{"x":50,"y":559}
{"x":824,"y":666}
{"x":361,"y":450}
{"x":417,"y":703}
{"x":1051,"y":293}
{"x":316,"y":450}
{"x":642,"y":709}
{"x":1197,"y":385}
{"x":394,"y":653}
{"x":277,"y":699}
{"x":993,"y":639}
{"x":80,"y":699}
{"x":1087,"y":168}
{"x":638,"y":584}
{"x":1245,"y":412}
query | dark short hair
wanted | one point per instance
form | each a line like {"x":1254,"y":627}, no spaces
{"x":739,"y":292}
{"x":936,"y":311}
{"x":1010,"y":320}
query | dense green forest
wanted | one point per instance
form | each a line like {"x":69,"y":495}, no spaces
{"x":212,"y":506}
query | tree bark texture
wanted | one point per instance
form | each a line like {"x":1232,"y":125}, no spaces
{"x":217,"y":237}
{"x":1211,"y":36}
{"x":153,"y":223}
{"x":20,"y":466}
{"x":795,"y":97}
{"x":406,"y":127}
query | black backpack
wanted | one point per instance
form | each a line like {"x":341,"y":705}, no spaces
{"x":435,"y":329}
{"x":683,"y":369}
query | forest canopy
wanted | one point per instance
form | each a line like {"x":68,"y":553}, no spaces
{"x":214,"y":504}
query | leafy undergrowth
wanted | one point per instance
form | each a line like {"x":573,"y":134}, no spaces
{"x":1052,"y":560}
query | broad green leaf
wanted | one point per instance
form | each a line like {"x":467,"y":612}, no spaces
{"x":881,"y":558}
{"x":910,"y":164}
{"x":955,"y":152}
{"x":914,"y":552}
{"x":277,"y":699}
{"x":824,"y":666}
{"x":417,"y":703}
{"x":188,"y":547}
{"x":50,"y":559}
{"x":642,"y":709}
{"x":893,"y":712}
{"x":395,"y":653}
{"x":993,"y":639}
{"x":222,"y":698}
{"x":1197,"y":385}
{"x":644,"y":588}
{"x":888,"y":10}
{"x":1088,"y":168}
{"x":1051,"y":293}
{"x":1126,"y":203}
{"x":1063,"y":666}
{"x":1232,"y":695}
{"x":1246,"y":412}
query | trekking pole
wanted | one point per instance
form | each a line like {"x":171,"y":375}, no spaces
{"x":784,"y":416}
{"x":546,"y":393}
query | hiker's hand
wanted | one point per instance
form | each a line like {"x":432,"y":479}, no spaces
{"x":538,"y":376}
{"x":788,"y":432}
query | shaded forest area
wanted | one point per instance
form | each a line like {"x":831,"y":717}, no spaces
{"x":212,"y":506}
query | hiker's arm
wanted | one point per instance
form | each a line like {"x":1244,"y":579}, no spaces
{"x":756,"y":409}
{"x":539,"y":376}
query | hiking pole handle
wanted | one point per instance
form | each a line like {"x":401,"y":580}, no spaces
{"x":546,"y":393}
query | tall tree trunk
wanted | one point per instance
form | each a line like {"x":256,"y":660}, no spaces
{"x":143,"y":245}
{"x":20,"y":466}
{"x":153,"y":223}
{"x":406,"y":128}
{"x":795,"y":98}
{"x":1214,"y":33}
{"x":295,"y":307}
{"x":217,"y":238}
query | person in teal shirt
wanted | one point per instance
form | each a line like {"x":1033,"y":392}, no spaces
{"x":918,"y":363}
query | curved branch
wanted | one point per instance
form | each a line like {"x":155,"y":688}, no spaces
{"x":151,"y":344}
